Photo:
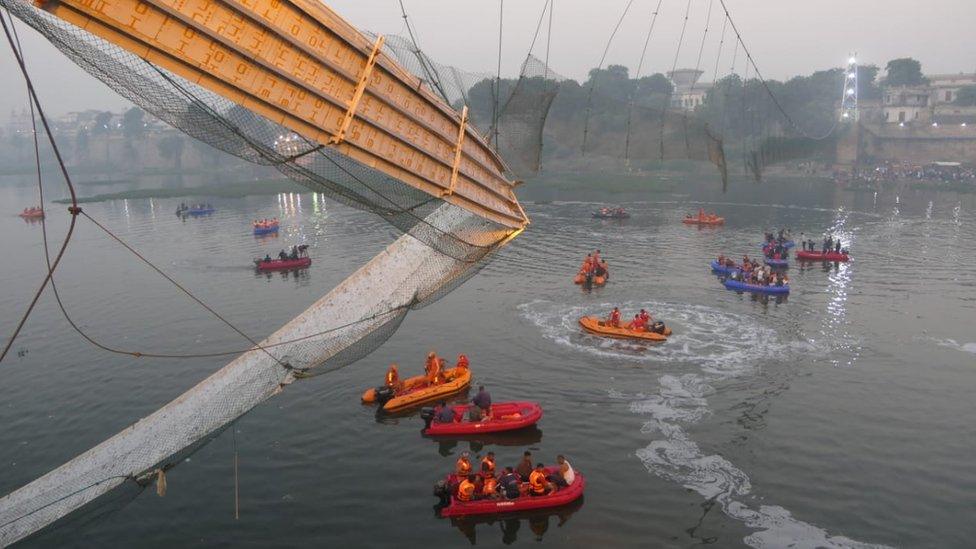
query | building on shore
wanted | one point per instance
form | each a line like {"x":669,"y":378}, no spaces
{"x":688,"y":93}
{"x":921,"y":124}
{"x":930,"y":103}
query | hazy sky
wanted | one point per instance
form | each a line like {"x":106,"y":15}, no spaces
{"x":786,"y":37}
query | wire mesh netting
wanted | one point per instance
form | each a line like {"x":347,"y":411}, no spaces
{"x":231,"y":128}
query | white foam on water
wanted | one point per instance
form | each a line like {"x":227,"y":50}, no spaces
{"x":963,"y":347}
{"x":723,"y":346}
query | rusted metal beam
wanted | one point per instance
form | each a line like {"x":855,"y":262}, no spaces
{"x":462,"y":129}
{"x":300,"y":65}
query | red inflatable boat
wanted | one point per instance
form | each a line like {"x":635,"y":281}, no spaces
{"x":560,"y":497}
{"x":505,"y":416}
{"x":283,"y":264}
{"x":820,"y":256}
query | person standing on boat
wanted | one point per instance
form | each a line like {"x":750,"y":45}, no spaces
{"x":482,"y":402}
{"x":432,"y":368}
{"x":524,"y":467}
{"x":615,"y":317}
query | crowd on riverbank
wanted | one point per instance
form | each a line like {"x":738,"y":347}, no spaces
{"x":900,"y":171}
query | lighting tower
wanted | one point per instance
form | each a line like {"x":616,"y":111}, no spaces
{"x":848,"y":103}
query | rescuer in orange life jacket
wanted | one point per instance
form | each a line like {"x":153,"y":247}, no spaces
{"x":463,"y":467}
{"x":467,"y":488}
{"x":615,"y":317}
{"x":462,"y":363}
{"x":432,"y":368}
{"x":393,"y":378}
{"x":538,"y":484}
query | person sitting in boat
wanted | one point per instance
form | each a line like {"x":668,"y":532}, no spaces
{"x":294,"y":253}
{"x":637,"y":324}
{"x":432,"y":369}
{"x":600,"y":269}
{"x":538,"y":484}
{"x":488,"y":464}
{"x":482,"y":404}
{"x":701,"y":213}
{"x":466,"y":490}
{"x":462,"y":363}
{"x":445,"y":413}
{"x":267,"y":258}
{"x":587,"y":265}
{"x":509,"y":483}
{"x":283,"y":255}
{"x":614,"y":320}
{"x":645,"y":317}
{"x":566,"y":475}
{"x":489,"y":490}
{"x":463,"y":466}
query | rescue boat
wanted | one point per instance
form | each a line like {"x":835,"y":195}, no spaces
{"x":562,"y":496}
{"x":714,"y":220}
{"x":32,"y":213}
{"x":504,"y":416}
{"x":282,"y":264}
{"x":416,"y":391}
{"x":596,"y":325}
{"x":756,"y":288}
{"x":580,"y":278}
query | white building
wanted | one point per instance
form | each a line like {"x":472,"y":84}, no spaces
{"x":929,"y":103}
{"x":688,"y":93}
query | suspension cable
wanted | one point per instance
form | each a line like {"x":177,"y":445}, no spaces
{"x":74,"y":210}
{"x":779,"y":107}
{"x":640,"y":66}
{"x":603,"y":58}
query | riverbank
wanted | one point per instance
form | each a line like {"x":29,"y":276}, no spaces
{"x":217,"y":190}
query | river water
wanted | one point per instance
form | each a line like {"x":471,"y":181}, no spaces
{"x":840,"y":416}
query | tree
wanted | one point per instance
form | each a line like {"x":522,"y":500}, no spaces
{"x":133,"y":126}
{"x":867,"y":81}
{"x":904,"y":72}
{"x":101,"y":126}
{"x":966,"y":96}
{"x":171,"y":148}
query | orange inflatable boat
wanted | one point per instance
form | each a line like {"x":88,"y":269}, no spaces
{"x":597,"y":326}
{"x":417,"y":391}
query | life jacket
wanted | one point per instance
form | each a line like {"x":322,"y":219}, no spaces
{"x":392,"y":376}
{"x":488,"y":465}
{"x":462,"y":362}
{"x":433,"y":369}
{"x":645,"y":317}
{"x":463,"y":467}
{"x":465,"y":490}
{"x":615,"y":319}
{"x":537,"y":481}
{"x":490,"y":486}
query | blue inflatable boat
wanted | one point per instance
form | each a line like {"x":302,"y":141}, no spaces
{"x":743,"y":287}
{"x":778,"y":263}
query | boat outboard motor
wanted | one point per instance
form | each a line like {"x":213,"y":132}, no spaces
{"x":427,"y":414}
{"x":658,"y":327}
{"x":442,"y":491}
{"x":383,"y":394}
